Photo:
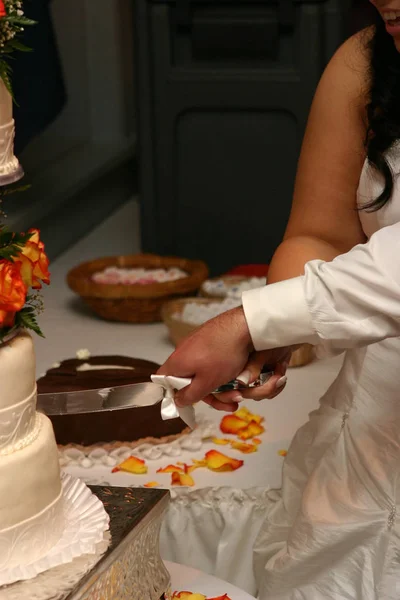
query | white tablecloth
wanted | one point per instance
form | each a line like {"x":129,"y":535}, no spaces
{"x":211,"y":527}
{"x":187,"y":579}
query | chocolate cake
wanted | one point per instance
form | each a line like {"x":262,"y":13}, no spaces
{"x":127,"y":425}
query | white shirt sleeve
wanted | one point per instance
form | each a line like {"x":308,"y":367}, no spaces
{"x":349,"y":302}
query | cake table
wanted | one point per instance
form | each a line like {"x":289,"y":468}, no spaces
{"x":129,"y":566}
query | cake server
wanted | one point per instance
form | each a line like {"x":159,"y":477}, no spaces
{"x":137,"y":395}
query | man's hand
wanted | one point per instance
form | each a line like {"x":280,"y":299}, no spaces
{"x":217,"y":353}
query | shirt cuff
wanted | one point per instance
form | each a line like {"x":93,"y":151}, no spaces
{"x":277,"y":315}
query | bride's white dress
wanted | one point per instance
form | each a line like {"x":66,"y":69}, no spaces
{"x":334,"y":534}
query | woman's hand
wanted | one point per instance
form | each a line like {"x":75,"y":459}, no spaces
{"x":215,"y":354}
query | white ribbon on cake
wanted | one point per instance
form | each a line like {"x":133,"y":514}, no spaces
{"x":169,"y":409}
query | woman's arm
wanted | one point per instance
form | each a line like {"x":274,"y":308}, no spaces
{"x":324,"y":221}
{"x":349,"y":302}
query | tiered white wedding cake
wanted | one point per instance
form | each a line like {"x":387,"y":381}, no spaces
{"x":31,"y":503}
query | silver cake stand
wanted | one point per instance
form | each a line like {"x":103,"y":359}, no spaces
{"x":130,"y":569}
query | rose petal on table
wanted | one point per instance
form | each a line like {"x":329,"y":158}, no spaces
{"x":282,"y":452}
{"x":220,"y":441}
{"x":151,"y":484}
{"x":253,"y":429}
{"x":256,"y":441}
{"x":188,"y":596}
{"x":199,"y":463}
{"x":182,"y":479}
{"x":244,"y":448}
{"x":134,"y":465}
{"x":224,"y":597}
{"x":216,"y":461}
{"x":232,"y":424}
{"x":171,"y":469}
{"x":244,"y":414}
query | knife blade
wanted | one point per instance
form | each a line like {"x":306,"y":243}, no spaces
{"x":135,"y":395}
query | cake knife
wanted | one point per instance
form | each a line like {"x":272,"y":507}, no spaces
{"x":136,"y":395}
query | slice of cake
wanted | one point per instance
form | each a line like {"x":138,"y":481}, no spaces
{"x":126,"y":425}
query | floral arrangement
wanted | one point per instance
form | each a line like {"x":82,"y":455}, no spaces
{"x":24,"y":266}
{"x":12,"y":23}
{"x":23,"y":269}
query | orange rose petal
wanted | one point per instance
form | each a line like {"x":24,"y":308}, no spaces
{"x":171,"y":469}
{"x":256,"y":441}
{"x":253,"y":429}
{"x":216,"y":461}
{"x":245,"y":448}
{"x":188,"y":596}
{"x":244,"y":414}
{"x":134,"y":465}
{"x":151,"y":484}
{"x":224,"y":597}
{"x":200,"y":463}
{"x":282,"y":452}
{"x":232,"y":424}
{"x":220,"y":441}
{"x":182,"y":479}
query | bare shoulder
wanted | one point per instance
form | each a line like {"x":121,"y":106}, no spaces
{"x":349,"y":67}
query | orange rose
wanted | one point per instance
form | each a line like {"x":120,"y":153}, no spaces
{"x":12,"y":292}
{"x":33,"y":262}
{"x":3,"y":12}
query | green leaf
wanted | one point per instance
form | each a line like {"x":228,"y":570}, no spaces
{"x":11,"y":243}
{"x":5,"y":70}
{"x":20,"y":20}
{"x":17,"y":45}
{"x":26,"y":318}
{"x":14,"y":190}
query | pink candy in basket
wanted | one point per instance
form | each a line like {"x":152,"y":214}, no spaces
{"x":137,"y":276}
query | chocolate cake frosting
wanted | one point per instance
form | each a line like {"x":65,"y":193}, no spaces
{"x":127,"y":425}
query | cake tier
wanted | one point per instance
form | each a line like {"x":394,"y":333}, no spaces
{"x":126,"y":425}
{"x":17,"y":370}
{"x":30,"y":478}
{"x":18,"y":424}
{"x":10,"y":169}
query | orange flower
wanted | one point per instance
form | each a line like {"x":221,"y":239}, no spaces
{"x":245,"y":448}
{"x":182,"y":479}
{"x":220,"y":441}
{"x":33,"y":262}
{"x":246,"y":415}
{"x":232,"y":424}
{"x":134,"y":465}
{"x":188,"y":596}
{"x":216,"y":461}
{"x":3,"y":12}
{"x":12,"y":292}
{"x":252,"y":430}
{"x":192,"y":596}
{"x":171,"y":469}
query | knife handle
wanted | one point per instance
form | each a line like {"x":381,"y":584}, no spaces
{"x":235,"y":384}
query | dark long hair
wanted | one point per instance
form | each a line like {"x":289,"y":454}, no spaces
{"x":383,"y":108}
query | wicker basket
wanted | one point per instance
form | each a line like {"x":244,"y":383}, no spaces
{"x":179,"y":329}
{"x":228,"y":280}
{"x":134,"y":303}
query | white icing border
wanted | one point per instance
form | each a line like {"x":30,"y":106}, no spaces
{"x":192,"y":441}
